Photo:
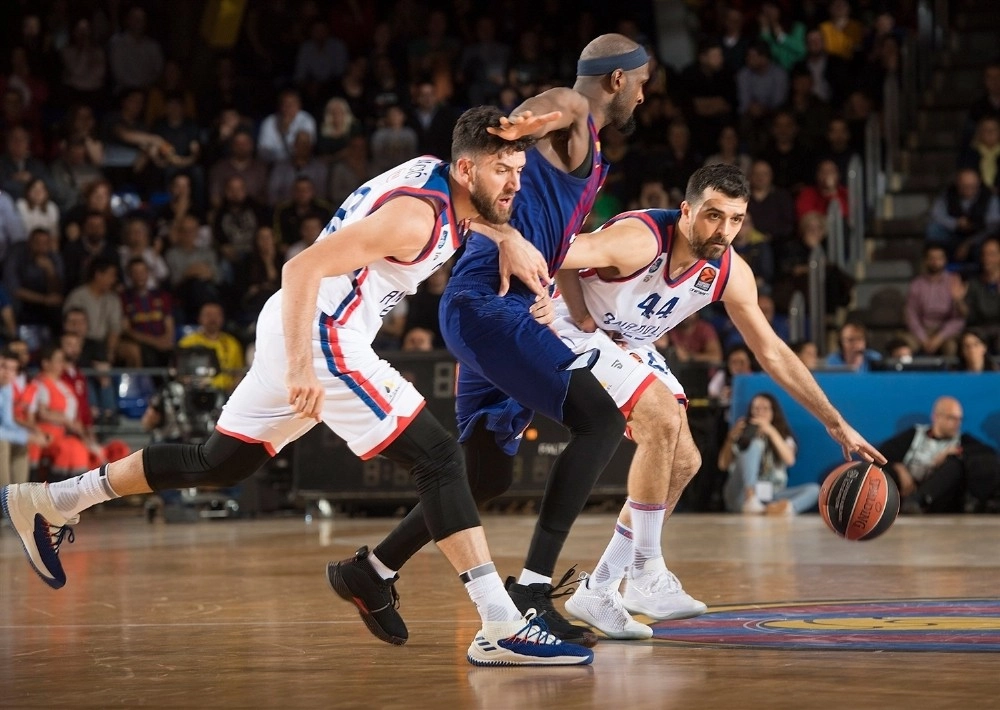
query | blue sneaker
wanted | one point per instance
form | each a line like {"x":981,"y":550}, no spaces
{"x":524,"y":642}
{"x":40,"y":526}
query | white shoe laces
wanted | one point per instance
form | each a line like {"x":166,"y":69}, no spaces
{"x":535,"y":630}
{"x":664,"y":580}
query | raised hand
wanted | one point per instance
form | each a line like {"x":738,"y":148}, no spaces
{"x":519,"y":125}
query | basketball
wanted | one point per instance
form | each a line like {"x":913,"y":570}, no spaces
{"x":858,"y":501}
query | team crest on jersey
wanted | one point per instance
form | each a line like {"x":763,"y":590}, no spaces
{"x":706,"y":278}
{"x":653,"y":269}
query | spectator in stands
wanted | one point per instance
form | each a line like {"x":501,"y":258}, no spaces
{"x":258,"y":275}
{"x":711,"y":89}
{"x":14,"y":437}
{"x":790,"y":162}
{"x":793,"y":268}
{"x":210,"y":335}
{"x":899,"y":349}
{"x":695,"y":340}
{"x":136,"y":59}
{"x":989,"y":103}
{"x":278,"y":131}
{"x":102,"y":391}
{"x":838,"y":146}
{"x":71,"y":345}
{"x":94,"y":243}
{"x":289,"y":215}
{"x":418,"y":340}
{"x":96,"y":198}
{"x":73,"y":172}
{"x":982,"y":298}
{"x":33,"y":276}
{"x":808,"y":353}
{"x":99,"y":300}
{"x":303,"y":163}
{"x":653,"y":195}
{"x":171,"y":83}
{"x":983,"y":154}
{"x":842,"y":34}
{"x":786,"y":39}
{"x":755,"y":248}
{"x":84,"y":65}
{"x":482,"y":67}
{"x":240,"y":162}
{"x":676,"y":161}
{"x":433,"y":121}
{"x":129,"y":145}
{"x":811,"y":113}
{"x":757,"y":454}
{"x":321,"y":60}
{"x":194,"y":270}
{"x":309,"y":229}
{"x":147,"y":321}
{"x":37,"y":210}
{"x":935,"y":305}
{"x":137,"y":245}
{"x":393,"y":143}
{"x":830,"y":73}
{"x":964,"y":215}
{"x":739,"y":361}
{"x":339,"y":124}
{"x":734,"y":40}
{"x":14,"y":114}
{"x":853,"y":351}
{"x":936,"y":466}
{"x":350,"y":170}
{"x":236,"y":221}
{"x":827,"y":188}
{"x":183,"y":136}
{"x":18,"y":168}
{"x":762,"y":87}
{"x":729,"y":151}
{"x":973,"y":355}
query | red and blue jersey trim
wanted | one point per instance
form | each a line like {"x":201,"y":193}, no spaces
{"x":337,"y":365}
{"x":587,"y":199}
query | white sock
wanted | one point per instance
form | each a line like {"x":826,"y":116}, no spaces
{"x":528,"y":577}
{"x":383,"y":571}
{"x":81,"y":492}
{"x":487,"y":593}
{"x":616,"y":558}
{"x":647,"y":524}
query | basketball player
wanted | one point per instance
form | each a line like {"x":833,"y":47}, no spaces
{"x":647,"y":271}
{"x":314,"y":363}
{"x":510,"y":364}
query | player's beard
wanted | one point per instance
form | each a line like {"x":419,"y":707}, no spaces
{"x":710,"y":248}
{"x":488,"y":206}
{"x":622,"y":116}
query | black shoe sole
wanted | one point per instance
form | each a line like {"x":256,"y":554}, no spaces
{"x":339,"y":586}
{"x":588,"y":639}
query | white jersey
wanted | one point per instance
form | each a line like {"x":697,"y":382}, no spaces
{"x":360,"y":300}
{"x":641,"y":307}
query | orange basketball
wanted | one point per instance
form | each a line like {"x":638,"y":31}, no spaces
{"x":858,"y":501}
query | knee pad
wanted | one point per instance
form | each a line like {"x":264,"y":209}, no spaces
{"x":437,"y":466}
{"x":222,"y":461}
{"x":590,"y":409}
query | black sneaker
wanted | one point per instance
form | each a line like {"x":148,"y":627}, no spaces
{"x":539,"y":597}
{"x":356,"y":581}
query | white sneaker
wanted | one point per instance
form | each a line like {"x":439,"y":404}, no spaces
{"x":602,"y":608}
{"x":753,"y":506}
{"x":658,"y":594}
{"x":40,"y":526}
{"x":524,"y":642}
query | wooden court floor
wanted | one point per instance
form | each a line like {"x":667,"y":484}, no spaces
{"x":237,"y":614}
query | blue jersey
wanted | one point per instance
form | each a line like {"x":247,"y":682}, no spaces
{"x":549,"y":209}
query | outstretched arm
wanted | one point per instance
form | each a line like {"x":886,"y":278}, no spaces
{"x":784,"y":366}
{"x":400,"y":228}
{"x":625,"y":246}
{"x":552,"y":110}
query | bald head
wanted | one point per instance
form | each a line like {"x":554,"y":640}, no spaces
{"x":608,"y":45}
{"x":946,"y":418}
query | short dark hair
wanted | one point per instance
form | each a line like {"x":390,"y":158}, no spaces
{"x":136,"y":260}
{"x":99,"y":266}
{"x":727,"y":179}
{"x":470,"y":136}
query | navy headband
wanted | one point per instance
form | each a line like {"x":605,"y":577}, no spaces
{"x":599,"y":66}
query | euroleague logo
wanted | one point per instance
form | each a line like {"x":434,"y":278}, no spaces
{"x":705,"y":279}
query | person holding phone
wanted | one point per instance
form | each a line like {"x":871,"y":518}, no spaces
{"x":757,"y":454}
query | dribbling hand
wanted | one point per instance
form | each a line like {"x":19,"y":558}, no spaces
{"x":851,"y":442}
{"x":519,"y":125}
{"x":305,"y":394}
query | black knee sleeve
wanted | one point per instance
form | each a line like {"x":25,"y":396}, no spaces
{"x":221,"y":461}
{"x":435,"y":461}
{"x":491,"y":471}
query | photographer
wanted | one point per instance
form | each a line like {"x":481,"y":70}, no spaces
{"x":757,"y":454}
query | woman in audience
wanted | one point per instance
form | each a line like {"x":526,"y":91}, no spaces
{"x":973,"y":355}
